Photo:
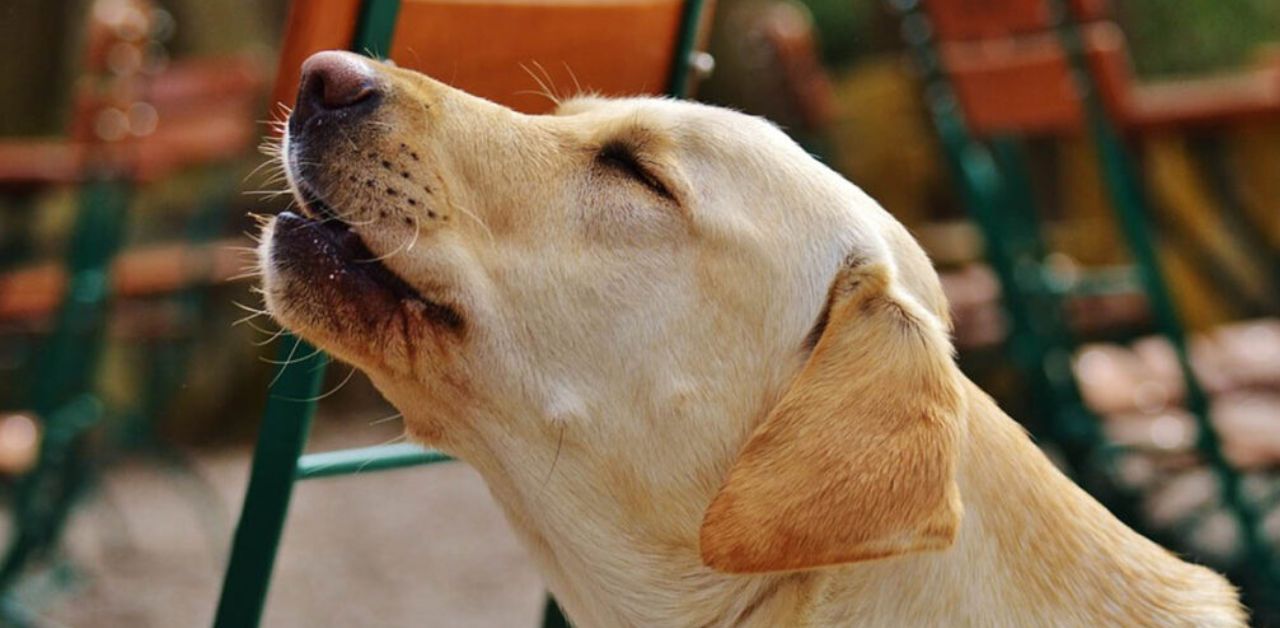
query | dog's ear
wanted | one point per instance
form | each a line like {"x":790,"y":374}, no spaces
{"x":857,"y":461}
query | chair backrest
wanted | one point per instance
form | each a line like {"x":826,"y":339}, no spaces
{"x":968,"y":20}
{"x":1010,"y":71}
{"x":509,"y":51}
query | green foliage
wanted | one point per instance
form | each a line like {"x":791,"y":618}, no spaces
{"x":1190,"y":36}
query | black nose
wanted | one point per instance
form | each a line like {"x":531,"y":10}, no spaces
{"x":333,"y":82}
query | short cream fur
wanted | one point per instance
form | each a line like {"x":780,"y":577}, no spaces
{"x":718,"y":393}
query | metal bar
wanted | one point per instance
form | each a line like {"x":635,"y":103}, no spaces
{"x":376,"y":26}
{"x":68,"y":363}
{"x":681,"y":63}
{"x":285,"y":426}
{"x":365,"y":460}
{"x":69,"y":357}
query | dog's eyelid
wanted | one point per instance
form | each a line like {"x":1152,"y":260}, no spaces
{"x":624,"y":158}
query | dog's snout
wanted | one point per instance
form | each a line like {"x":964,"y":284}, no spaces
{"x":333,"y":82}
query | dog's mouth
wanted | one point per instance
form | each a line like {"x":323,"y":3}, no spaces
{"x":327,"y":237}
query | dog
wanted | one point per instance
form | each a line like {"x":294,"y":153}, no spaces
{"x":708,"y":380}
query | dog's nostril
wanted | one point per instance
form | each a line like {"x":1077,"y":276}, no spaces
{"x":337,"y":79}
{"x":333,"y":81}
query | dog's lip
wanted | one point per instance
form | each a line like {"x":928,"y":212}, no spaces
{"x":351,"y":248}
{"x":312,"y":206}
{"x":355,"y":255}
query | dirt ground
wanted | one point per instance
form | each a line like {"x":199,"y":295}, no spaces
{"x":416,"y":547}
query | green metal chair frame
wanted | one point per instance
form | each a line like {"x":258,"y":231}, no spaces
{"x":995,"y":187}
{"x":60,"y":392}
{"x":278,"y":461}
{"x":61,"y":389}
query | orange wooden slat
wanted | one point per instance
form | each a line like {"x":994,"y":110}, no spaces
{"x":490,"y":47}
{"x":1213,"y":100}
{"x":40,"y":162}
{"x":1024,"y":84}
{"x":982,"y":19}
{"x":161,"y":269}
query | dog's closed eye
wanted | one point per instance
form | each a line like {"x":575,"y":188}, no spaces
{"x":622,"y":159}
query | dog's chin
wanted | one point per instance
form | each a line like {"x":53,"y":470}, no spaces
{"x":323,"y":283}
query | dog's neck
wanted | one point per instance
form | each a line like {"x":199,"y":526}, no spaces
{"x":621,"y":549}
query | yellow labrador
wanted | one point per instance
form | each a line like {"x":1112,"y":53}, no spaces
{"x":708,"y":380}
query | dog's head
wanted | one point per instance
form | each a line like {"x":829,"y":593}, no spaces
{"x":665,"y":293}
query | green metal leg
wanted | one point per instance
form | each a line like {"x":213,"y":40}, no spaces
{"x":1131,"y":208}
{"x":690,"y":21}
{"x":283,"y":434}
{"x":1133,"y":211}
{"x":59,"y":394}
{"x":552,"y":616}
{"x":69,"y":358}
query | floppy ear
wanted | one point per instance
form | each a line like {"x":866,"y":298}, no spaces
{"x":857,"y":461}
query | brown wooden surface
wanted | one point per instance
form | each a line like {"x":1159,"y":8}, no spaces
{"x":40,"y":162}
{"x":986,"y":19}
{"x":1019,"y":85}
{"x":1209,"y":100}
{"x":1022,"y":85}
{"x":37,"y":291}
{"x":491,"y":48}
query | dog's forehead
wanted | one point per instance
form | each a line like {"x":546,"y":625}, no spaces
{"x":690,"y":123}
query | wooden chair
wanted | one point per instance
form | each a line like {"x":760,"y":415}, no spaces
{"x":488,"y":47}
{"x":998,"y":71}
{"x":1011,"y":74}
{"x":133,"y":122}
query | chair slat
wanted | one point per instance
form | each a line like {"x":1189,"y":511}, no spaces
{"x":613,"y":47}
{"x":1024,"y":85}
{"x":964,"y":20}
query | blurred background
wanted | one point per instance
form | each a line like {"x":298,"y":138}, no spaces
{"x":1098,"y":183}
